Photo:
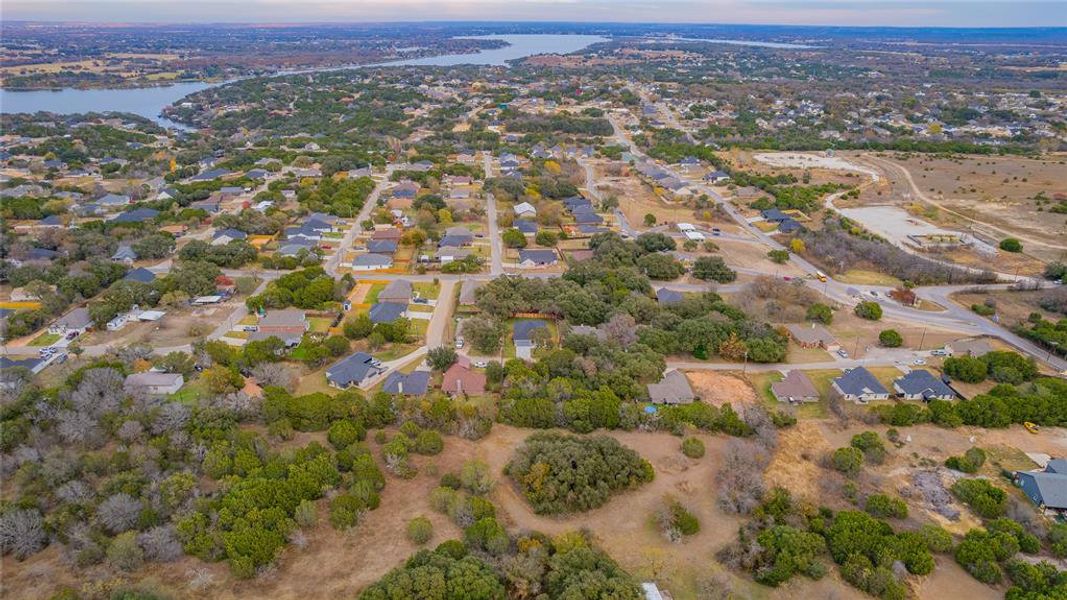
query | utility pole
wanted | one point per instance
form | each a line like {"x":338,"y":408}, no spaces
{"x":922,"y":339}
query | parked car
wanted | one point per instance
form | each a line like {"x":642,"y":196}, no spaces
{"x":716,"y":231}
{"x":481,"y":364}
{"x":842,"y":353}
{"x":459,"y":342}
{"x":939,"y":352}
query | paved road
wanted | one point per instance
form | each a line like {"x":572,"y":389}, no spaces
{"x":350,"y":236}
{"x":496,"y":248}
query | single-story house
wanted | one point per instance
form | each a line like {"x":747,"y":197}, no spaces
{"x":525,"y":209}
{"x":387,"y":312}
{"x":788,"y":226}
{"x":211,"y":204}
{"x":125,"y":254}
{"x":921,"y":384}
{"x":137,"y":215}
{"x":449,"y":254}
{"x":456,"y":236}
{"x":353,"y":370}
{"x":971,"y":347}
{"x":407,"y":189}
{"x":588,"y":218}
{"x":303,"y":232}
{"x":674,"y":388}
{"x":155,"y":384}
{"x":795,"y":387}
{"x":225,"y":236}
{"x":382,"y":246}
{"x":460,"y":379}
{"x":398,"y":291}
{"x":371,"y":262}
{"x":291,"y":321}
{"x":813,"y":336}
{"x":290,"y":339}
{"x":77,"y":320}
{"x":716,"y":177}
{"x":392,"y":233}
{"x":294,"y":248}
{"x":526,"y":226}
{"x":1047,"y":488}
{"x":774,"y":215}
{"x":210,"y":175}
{"x":523,"y":336}
{"x":859,"y":385}
{"x":113,"y":200}
{"x":407,"y":384}
{"x":537,"y":258}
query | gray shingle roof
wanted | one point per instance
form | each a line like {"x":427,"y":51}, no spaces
{"x":538,"y":257}
{"x":674,"y":388}
{"x":921,"y":382}
{"x":860,"y":382}
{"x":523,"y":330}
{"x":413,"y":384}
{"x":352,"y":370}
{"x":140,"y":274}
{"x":387,"y":312}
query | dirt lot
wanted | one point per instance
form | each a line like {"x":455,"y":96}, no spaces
{"x":718,"y":389}
{"x":858,"y":336}
{"x":995,"y":195}
{"x":636,"y":198}
{"x":1012,"y":307}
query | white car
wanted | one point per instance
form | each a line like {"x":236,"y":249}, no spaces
{"x":481,"y":364}
{"x":919,"y":361}
{"x":459,"y":342}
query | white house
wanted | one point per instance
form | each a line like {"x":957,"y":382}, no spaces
{"x":525,"y":209}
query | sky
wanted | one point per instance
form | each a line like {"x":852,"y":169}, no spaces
{"x":907,"y":13}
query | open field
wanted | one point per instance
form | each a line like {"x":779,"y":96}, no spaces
{"x":1012,"y":306}
{"x":636,"y":198}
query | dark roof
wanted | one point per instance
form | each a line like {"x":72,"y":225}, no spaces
{"x":1057,"y":465}
{"x":860,"y":382}
{"x":666,"y":296}
{"x":140,"y":274}
{"x":523,"y":330}
{"x":1044,"y":488}
{"x":788,"y":226}
{"x":232,"y":233}
{"x":51,"y":220}
{"x":921,"y":382}
{"x":584,"y":218}
{"x":382,"y":246}
{"x":352,"y":369}
{"x":398,"y":290}
{"x":454,"y":240}
{"x":412,"y":384}
{"x":540,"y":257}
{"x":373,"y":260}
{"x":592,"y":229}
{"x":137,"y":215}
{"x":387,"y":312}
{"x":41,"y":254}
{"x":526,"y":226}
{"x":773,"y":214}
{"x":210,"y":174}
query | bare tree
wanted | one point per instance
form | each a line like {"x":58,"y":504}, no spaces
{"x":118,"y":512}
{"x":160,"y":543}
{"x":22,"y":533}
{"x":171,"y":417}
{"x":130,"y":431}
{"x":268,"y":374}
{"x":621,"y":329}
{"x":99,"y":392}
{"x":74,"y":491}
{"x":740,"y":479}
{"x":76,"y":427}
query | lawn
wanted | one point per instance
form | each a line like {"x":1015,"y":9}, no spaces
{"x":809,"y":410}
{"x":822,"y":378}
{"x":420,"y":308}
{"x":313,"y":382}
{"x":426,"y":289}
{"x":320,"y":324}
{"x":799,"y":354}
{"x":45,"y":339}
{"x":419,"y":327}
{"x":249,"y":320}
{"x":862,"y":277}
{"x":395,"y":351}
{"x":372,"y":293}
{"x":190,"y":392}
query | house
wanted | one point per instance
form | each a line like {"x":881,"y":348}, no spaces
{"x":537,"y":258}
{"x":525,"y":210}
{"x":382,"y":246}
{"x":795,"y":387}
{"x":206,"y":300}
{"x":459,"y":379}
{"x":588,"y":218}
{"x":674,"y":388}
{"x":140,"y":275}
{"x":353,"y":370}
{"x":118,"y":322}
{"x":372,"y":262}
{"x":451,"y":254}
{"x":406,"y":189}
{"x":859,"y":385}
{"x":294,"y":248}
{"x":154,"y":384}
{"x":920,"y":384}
{"x":289,"y":321}
{"x":696,"y":236}
{"x":526,"y":226}
{"x":225,"y":236}
{"x":668,"y":297}
{"x":1046,"y":488}
{"x":788,"y":226}
{"x":774,"y":215}
{"x":716,"y":177}
{"x":210,"y":175}
{"x":304,"y":232}
{"x":75,"y":320}
{"x":113,"y":200}
{"x":125,"y":254}
{"x":522,"y":333}
{"x":168,"y":193}
{"x":398,"y":291}
{"x":972,"y":347}
{"x":211,"y":204}
{"x":391,"y":233}
{"x":456,"y":236}
{"x":138,"y":215}
{"x":387,"y":312}
{"x":575,"y":202}
{"x":813,"y":336}
{"x":50,"y":222}
{"x":410,"y":384}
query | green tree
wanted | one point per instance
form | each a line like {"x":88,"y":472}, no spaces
{"x":513,"y":238}
{"x":890,"y":338}
{"x":820,"y":312}
{"x":868,"y":309}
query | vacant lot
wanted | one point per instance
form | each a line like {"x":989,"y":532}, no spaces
{"x":1012,"y":307}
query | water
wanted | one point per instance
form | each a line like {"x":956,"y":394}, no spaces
{"x":149,"y":101}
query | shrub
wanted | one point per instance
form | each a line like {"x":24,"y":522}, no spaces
{"x":936,"y":538}
{"x":881,"y":505}
{"x":1057,"y":539}
{"x":420,"y":530}
{"x":868,"y":309}
{"x":344,"y":433}
{"x":970,"y":462}
{"x":984,"y":498}
{"x":965,"y":368}
{"x":563,"y":473}
{"x":305,"y":514}
{"x":475,"y":477}
{"x":788,"y":551}
{"x":821,"y":313}
{"x":693,"y":447}
{"x":124,"y":552}
{"x":890,"y":338}
{"x":345,"y":511}
{"x":429,"y":442}
{"x":1011,"y":245}
{"x":871,"y":445}
{"x":847,"y":460}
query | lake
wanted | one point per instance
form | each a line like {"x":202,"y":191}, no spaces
{"x":149,"y":101}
